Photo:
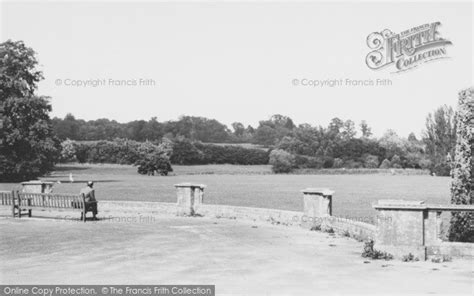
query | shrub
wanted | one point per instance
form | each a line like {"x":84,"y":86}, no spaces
{"x":281,"y":161}
{"x":385,"y":164}
{"x":302,"y":161}
{"x":441,"y":169}
{"x":396,"y":162}
{"x":409,"y":258}
{"x":230,"y":154}
{"x":189,"y":153}
{"x":329,"y":230}
{"x":328,"y":162}
{"x":371,"y":161}
{"x":352,"y":164}
{"x":338,"y":163}
{"x":151,"y":163}
{"x":184,"y":152}
{"x":370,"y":252}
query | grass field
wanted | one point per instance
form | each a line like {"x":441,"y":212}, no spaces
{"x":252,"y":186}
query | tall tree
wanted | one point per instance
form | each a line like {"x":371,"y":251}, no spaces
{"x":440,"y":138}
{"x":348,"y":130}
{"x":365,"y":129}
{"x":28,"y":147}
{"x":462,"y":187}
{"x":238,"y":128}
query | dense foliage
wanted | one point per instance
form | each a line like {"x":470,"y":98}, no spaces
{"x":181,"y":151}
{"x":282,"y":161}
{"x":462,"y":188}
{"x":28,"y":146}
{"x":154,"y":158}
{"x":192,"y":128}
{"x":187,"y":152}
{"x":334,"y":146}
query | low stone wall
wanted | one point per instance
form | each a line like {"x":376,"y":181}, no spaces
{"x":137,"y":207}
{"x":452,"y":249}
{"x":274,"y":216}
{"x":355,"y":229}
{"x":358,"y":230}
{"x":289,"y":218}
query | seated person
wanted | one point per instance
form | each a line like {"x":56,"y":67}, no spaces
{"x":89,"y":196}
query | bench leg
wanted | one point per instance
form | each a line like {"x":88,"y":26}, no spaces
{"x":29,"y":213}
{"x":19,"y":212}
{"x":83,"y":216}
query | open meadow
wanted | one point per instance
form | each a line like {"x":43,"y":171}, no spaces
{"x":251,"y":186}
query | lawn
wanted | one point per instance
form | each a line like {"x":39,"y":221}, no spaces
{"x":252,"y":186}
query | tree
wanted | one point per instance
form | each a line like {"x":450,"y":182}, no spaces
{"x":68,"y":128}
{"x":266,"y":135}
{"x":338,"y":163}
{"x":153,"y":159}
{"x":371,"y":161}
{"x":393,"y":144}
{"x":239,"y":129}
{"x":462,"y":186}
{"x":281,"y":161}
{"x":396,"y":162}
{"x":335,"y":126}
{"x":348,"y":130}
{"x":148,"y":164}
{"x":68,"y":151}
{"x":28,"y":146}
{"x":269,"y":132}
{"x":412,"y":138}
{"x":440,"y":138}
{"x":365,"y":129}
{"x":385,"y":164}
{"x":18,"y":74}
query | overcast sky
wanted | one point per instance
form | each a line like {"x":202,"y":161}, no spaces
{"x":238,"y":61}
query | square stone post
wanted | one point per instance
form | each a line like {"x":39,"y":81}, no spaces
{"x":317,"y":205}
{"x":37,"y":186}
{"x":433,"y":225}
{"x":189,"y":198}
{"x":400,"y":228}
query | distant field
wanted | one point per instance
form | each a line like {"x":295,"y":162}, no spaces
{"x":253,"y":186}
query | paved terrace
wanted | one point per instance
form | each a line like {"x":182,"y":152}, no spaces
{"x":238,"y":256}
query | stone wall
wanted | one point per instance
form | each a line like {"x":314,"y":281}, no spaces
{"x":355,"y":229}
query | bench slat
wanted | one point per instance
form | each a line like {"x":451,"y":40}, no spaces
{"x":42,"y":200}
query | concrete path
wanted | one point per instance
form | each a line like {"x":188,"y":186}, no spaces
{"x":239,"y":257}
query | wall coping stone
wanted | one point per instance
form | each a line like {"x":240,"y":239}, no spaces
{"x":318,"y":191}
{"x":192,"y":185}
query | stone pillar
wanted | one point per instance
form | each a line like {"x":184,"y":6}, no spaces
{"x":37,"y":187}
{"x":317,"y":205}
{"x":433,"y":225}
{"x":400,"y":228}
{"x":190,"y":198}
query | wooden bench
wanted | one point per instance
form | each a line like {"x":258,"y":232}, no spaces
{"x":6,"y":199}
{"x":22,"y":201}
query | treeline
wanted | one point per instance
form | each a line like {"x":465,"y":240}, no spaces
{"x":340,"y":144}
{"x":192,"y":128}
{"x":181,"y":151}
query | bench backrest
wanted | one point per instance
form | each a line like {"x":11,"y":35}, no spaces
{"x":6,"y":198}
{"x":47,"y":200}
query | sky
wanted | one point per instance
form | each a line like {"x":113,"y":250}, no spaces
{"x":239,"y":61}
